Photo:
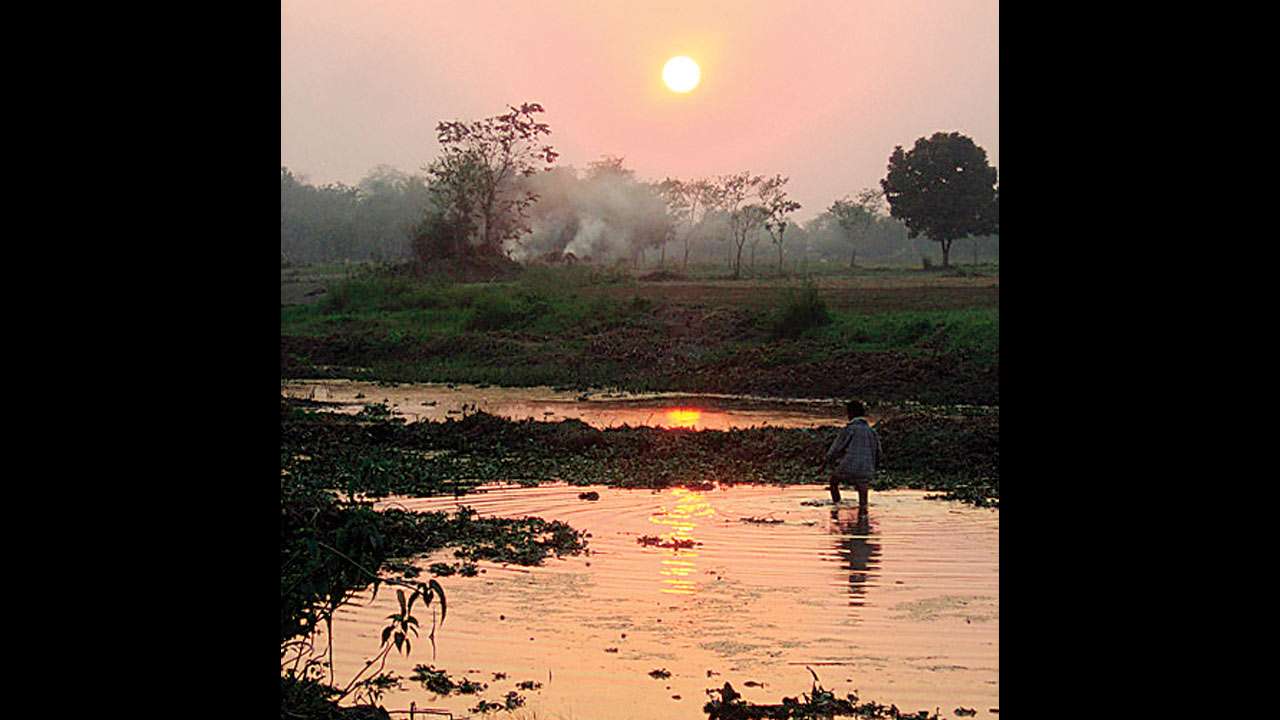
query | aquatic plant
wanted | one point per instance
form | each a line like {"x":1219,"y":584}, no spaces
{"x":331,"y":549}
{"x":673,"y":543}
{"x":953,"y":450}
{"x":439,"y":682}
{"x":510,"y":701}
{"x":728,"y":704}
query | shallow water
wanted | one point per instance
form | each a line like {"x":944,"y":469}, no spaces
{"x":434,"y":401}
{"x":902,"y":608}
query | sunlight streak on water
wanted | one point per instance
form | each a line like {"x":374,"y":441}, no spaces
{"x":689,"y":504}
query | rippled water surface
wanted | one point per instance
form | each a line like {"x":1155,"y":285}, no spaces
{"x":434,"y":401}
{"x":901,"y":606}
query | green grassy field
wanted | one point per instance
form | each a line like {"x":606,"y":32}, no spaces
{"x":586,"y":326}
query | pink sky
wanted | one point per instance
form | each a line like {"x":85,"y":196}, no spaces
{"x":819,"y":91}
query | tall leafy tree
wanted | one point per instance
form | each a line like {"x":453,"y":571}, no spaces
{"x":475,"y":179}
{"x":943,"y":188}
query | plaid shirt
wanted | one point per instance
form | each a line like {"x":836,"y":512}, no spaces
{"x":857,"y":449}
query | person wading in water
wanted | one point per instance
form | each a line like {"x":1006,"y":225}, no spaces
{"x":856,"y":453}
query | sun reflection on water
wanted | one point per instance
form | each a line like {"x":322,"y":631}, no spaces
{"x":678,"y":569}
{"x":683,"y":417}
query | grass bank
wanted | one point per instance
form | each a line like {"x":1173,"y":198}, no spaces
{"x":587,"y":327}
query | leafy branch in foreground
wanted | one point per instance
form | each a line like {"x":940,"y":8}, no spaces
{"x":327,"y":552}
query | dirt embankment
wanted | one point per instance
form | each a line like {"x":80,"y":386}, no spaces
{"x":680,"y":348}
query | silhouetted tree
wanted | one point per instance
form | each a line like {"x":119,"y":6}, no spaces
{"x":743,"y":217}
{"x":475,"y":178}
{"x":943,"y":188}
{"x":609,"y":166}
{"x":777,"y":206}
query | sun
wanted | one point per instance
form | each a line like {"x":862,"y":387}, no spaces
{"x":681,"y":74}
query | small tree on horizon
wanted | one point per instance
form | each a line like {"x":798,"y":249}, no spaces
{"x":777,"y":206}
{"x":743,"y":217}
{"x":856,"y":217}
{"x":943,"y":188}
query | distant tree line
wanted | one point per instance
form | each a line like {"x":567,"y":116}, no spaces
{"x":374,"y":220}
{"x":494,"y":190}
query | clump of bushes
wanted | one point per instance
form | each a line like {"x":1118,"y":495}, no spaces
{"x":494,"y":312}
{"x":802,"y":310}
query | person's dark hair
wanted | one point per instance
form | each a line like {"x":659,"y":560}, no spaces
{"x":855,"y":409}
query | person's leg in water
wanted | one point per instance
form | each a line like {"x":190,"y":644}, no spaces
{"x":863,"y":487}
{"x":835,"y":489}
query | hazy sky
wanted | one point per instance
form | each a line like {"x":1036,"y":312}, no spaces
{"x":819,"y":91}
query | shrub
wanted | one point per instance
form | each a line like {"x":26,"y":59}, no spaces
{"x":801,"y":310}
{"x":494,"y":312}
{"x":438,"y":237}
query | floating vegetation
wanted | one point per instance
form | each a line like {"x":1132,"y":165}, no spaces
{"x":442,"y":569}
{"x":376,"y":456}
{"x":761,"y":520}
{"x":659,"y":674}
{"x":593,"y":495}
{"x":510,"y":701}
{"x":673,"y":543}
{"x":439,"y":682}
{"x":728,"y":704}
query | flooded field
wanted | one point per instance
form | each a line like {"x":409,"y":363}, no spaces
{"x":430,"y":401}
{"x":901,"y":606}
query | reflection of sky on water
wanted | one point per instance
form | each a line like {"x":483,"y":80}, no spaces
{"x":678,"y":568}
{"x":439,"y":402}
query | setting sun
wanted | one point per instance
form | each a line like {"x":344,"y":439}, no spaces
{"x":681,"y":74}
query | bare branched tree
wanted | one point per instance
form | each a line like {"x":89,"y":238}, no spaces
{"x":856,"y":217}
{"x":744,"y":217}
{"x":777,"y":205}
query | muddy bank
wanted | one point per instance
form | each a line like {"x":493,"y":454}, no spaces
{"x":649,"y":364}
{"x":646,"y":345}
{"x":376,"y":454}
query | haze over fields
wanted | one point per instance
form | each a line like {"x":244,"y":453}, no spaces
{"x":818,"y":91}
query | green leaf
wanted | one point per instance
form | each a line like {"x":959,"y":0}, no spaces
{"x":386,"y":633}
